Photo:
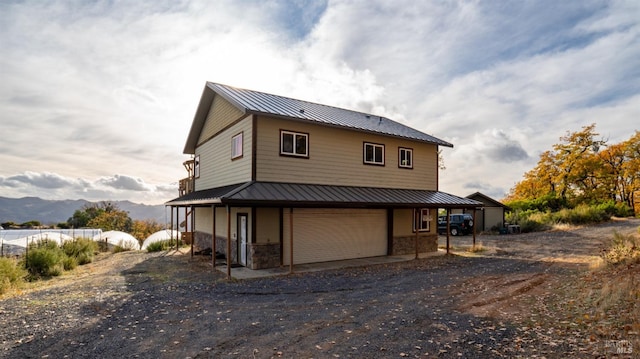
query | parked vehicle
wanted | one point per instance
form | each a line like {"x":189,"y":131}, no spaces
{"x":460,"y":224}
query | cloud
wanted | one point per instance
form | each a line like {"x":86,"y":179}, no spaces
{"x":54,"y":186}
{"x":124,"y":183}
{"x":40,"y":180}
{"x":95,"y":88}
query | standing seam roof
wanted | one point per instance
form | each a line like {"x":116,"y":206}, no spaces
{"x":294,"y":194}
{"x":264,"y":103}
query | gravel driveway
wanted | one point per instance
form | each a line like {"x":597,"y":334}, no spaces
{"x":152,"y":305}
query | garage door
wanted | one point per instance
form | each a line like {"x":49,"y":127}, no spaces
{"x":321,"y":235}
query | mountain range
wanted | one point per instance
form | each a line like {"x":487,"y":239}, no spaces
{"x":21,"y":210}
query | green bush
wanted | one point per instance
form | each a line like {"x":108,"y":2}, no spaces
{"x":159,"y":246}
{"x":69,"y":263}
{"x":11,"y":274}
{"x":81,"y":249}
{"x":44,"y":259}
{"x":582,"y":214}
{"x":123,"y":247}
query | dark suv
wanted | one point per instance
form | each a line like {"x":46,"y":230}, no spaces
{"x":460,"y":224}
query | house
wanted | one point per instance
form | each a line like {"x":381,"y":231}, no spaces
{"x":275,"y":181}
{"x":491,"y":215}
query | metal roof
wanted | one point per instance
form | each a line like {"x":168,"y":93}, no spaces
{"x":263,"y":103}
{"x":311,"y":195}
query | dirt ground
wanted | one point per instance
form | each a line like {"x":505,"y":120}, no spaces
{"x":510,"y":300}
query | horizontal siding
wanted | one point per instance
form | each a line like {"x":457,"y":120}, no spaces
{"x":204,"y":219}
{"x":216,"y":167}
{"x":403,"y":222}
{"x":221,"y":114}
{"x":267,"y":225}
{"x":336,"y":158}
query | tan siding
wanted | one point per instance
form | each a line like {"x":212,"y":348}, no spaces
{"x":336,"y":157}
{"x":267,"y":225}
{"x":403,"y":222}
{"x":492,"y":217}
{"x":216,"y":167}
{"x":221,"y":114}
{"x":204,"y":219}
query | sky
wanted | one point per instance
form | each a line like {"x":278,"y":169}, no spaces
{"x":97,"y":97}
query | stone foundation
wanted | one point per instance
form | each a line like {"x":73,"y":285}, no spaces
{"x":203,"y":241}
{"x":264,"y":255}
{"x":407,"y":244}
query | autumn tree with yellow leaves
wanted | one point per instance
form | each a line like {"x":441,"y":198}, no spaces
{"x":582,"y":169}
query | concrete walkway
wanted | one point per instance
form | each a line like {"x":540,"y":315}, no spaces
{"x":246,"y":273}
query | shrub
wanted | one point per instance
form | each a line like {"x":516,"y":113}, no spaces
{"x":582,"y":214}
{"x":159,"y":246}
{"x":11,"y":274}
{"x":622,"y":249}
{"x":69,"y":263}
{"x":123,"y":247}
{"x":44,"y":259}
{"x":81,"y":249}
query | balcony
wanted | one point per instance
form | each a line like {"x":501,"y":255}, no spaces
{"x":185,"y":186}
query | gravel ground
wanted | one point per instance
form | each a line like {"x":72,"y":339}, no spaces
{"x":151,"y":305}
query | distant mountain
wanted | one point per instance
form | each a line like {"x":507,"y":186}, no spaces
{"x":20,"y":210}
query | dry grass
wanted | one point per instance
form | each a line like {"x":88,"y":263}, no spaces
{"x":478,"y":248}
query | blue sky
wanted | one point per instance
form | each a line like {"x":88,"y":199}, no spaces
{"x":97,"y":97}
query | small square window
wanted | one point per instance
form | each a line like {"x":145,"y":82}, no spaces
{"x":373,"y":154}
{"x":196,"y":167}
{"x":294,"y":144}
{"x":236,"y":146}
{"x":421,"y":219}
{"x":405,"y":157}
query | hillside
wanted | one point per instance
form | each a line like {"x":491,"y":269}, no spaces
{"x":20,"y":210}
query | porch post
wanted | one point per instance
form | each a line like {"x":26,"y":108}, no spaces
{"x":290,"y":240}
{"x":228,"y":242}
{"x":192,"y":229}
{"x":448,"y":227}
{"x":213,"y":239}
{"x":474,"y":228}
{"x":186,"y":221}
{"x":416,"y":221}
{"x":171,"y":226}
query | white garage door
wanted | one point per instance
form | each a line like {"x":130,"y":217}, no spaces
{"x":321,"y":235}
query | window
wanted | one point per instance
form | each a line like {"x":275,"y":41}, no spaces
{"x":196,"y":167}
{"x":373,"y":154}
{"x":236,"y":146}
{"x":294,"y":144}
{"x":421,"y":219}
{"x":405,"y":157}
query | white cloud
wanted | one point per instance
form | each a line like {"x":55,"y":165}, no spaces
{"x":92,"y":89}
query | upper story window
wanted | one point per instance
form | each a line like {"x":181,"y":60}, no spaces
{"x":373,"y":154}
{"x":196,"y":167}
{"x":421,"y":219}
{"x":236,"y":146}
{"x":405,"y":157}
{"x":294,"y":144}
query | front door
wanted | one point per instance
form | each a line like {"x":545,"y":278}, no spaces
{"x":242,"y":238}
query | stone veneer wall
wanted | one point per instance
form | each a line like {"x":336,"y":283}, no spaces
{"x":203,"y":241}
{"x":407,"y":244}
{"x":264,"y":255}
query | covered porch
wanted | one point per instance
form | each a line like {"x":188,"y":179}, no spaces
{"x":264,"y":222}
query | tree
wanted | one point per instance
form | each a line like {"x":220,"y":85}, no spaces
{"x":143,"y":229}
{"x":582,"y":169}
{"x":104,"y":215}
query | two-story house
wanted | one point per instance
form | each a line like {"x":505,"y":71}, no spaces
{"x":275,"y":181}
